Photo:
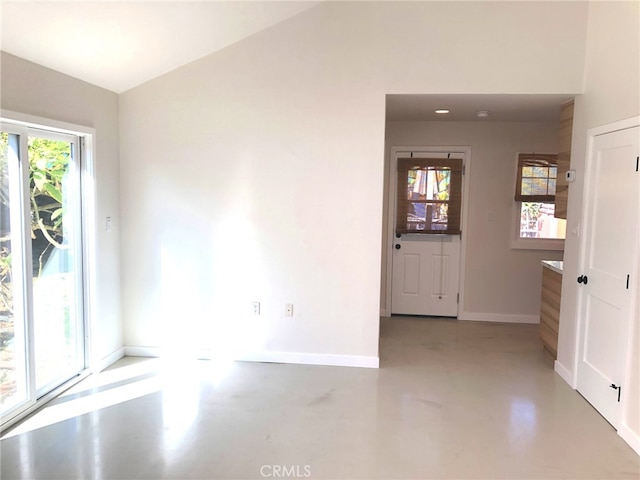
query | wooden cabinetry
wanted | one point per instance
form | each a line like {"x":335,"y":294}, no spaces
{"x":550,"y":310}
{"x":564,"y":158}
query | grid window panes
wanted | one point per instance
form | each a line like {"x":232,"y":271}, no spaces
{"x":539,"y":180}
{"x":429,"y":195}
{"x":537,"y":176}
{"x":535,"y":197}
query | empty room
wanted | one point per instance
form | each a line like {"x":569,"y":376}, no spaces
{"x":320,"y":239}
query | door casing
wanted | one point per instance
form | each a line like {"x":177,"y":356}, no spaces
{"x":395,"y":151}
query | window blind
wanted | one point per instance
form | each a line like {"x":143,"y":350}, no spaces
{"x":536,"y":177}
{"x":429,"y":195}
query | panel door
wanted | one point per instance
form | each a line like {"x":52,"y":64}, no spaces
{"x":425,"y":275}
{"x":426,"y":246}
{"x":607,"y":283}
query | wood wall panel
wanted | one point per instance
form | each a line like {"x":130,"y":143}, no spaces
{"x":564,"y":159}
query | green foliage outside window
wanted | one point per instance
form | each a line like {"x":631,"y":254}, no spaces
{"x":48,"y":164}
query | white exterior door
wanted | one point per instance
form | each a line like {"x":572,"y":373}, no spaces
{"x":425,"y":275}
{"x":425,"y":266}
{"x":609,"y":266}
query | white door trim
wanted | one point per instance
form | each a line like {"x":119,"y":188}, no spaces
{"x":391,"y":205}
{"x":592,"y":133}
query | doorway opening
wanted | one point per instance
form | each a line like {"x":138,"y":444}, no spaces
{"x":497,"y":282}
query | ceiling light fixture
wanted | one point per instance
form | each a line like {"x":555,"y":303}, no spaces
{"x":442,"y":111}
{"x":482,"y":113}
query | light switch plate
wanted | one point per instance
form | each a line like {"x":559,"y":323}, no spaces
{"x":570,"y":175}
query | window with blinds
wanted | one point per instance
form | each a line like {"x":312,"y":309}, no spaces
{"x":536,"y":177}
{"x":429,"y":195}
{"x":536,"y":226}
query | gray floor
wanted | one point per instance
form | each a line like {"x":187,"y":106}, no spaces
{"x":451,"y":400}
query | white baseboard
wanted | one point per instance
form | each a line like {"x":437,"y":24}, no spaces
{"x":631,"y":437}
{"x":275,"y":357}
{"x":134,"y":351}
{"x":498,"y":317}
{"x":312,"y":359}
{"x":564,"y":373}
{"x":109,"y":359}
{"x":628,"y":435}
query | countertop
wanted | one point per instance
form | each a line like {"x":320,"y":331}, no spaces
{"x":555,"y":265}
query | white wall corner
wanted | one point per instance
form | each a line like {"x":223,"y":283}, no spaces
{"x":564,"y":373}
{"x":631,"y":437}
{"x":135,"y":351}
{"x":498,"y":317}
{"x":109,"y":360}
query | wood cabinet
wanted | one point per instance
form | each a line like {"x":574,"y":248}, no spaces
{"x":550,"y":310}
{"x":564,"y":158}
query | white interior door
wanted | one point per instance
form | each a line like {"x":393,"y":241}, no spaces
{"x":426,"y":263}
{"x":607,"y":282}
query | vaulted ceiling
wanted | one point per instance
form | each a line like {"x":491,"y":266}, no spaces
{"x":118,"y":45}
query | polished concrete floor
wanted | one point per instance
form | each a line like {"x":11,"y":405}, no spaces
{"x":451,"y":400}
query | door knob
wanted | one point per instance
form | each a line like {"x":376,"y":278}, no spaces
{"x":398,"y":235}
{"x":397,"y":246}
{"x":583,"y":279}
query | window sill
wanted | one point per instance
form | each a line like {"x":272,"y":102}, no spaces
{"x":537,"y":244}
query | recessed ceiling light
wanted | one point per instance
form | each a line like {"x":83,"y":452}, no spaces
{"x":442,"y":111}
{"x":482,"y":113}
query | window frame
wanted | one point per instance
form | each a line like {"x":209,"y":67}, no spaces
{"x":518,"y":242}
{"x":454,"y":203}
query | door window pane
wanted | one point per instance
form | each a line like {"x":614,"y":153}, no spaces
{"x":429,"y":195}
{"x":56,"y":262}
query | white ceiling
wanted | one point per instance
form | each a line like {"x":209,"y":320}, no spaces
{"x":501,"y":108}
{"x":118,"y":45}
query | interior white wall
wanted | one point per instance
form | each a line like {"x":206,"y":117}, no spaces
{"x":31,"y":89}
{"x":257,"y":173}
{"x":611,"y":93}
{"x":498,"y":279}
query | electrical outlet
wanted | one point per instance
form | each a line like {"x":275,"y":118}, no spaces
{"x":255,"y":308}
{"x":288,"y":310}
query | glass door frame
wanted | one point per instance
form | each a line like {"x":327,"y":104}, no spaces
{"x":19,"y":212}
{"x":75,"y":218}
{"x":23,"y":125}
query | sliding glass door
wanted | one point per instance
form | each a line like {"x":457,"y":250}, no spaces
{"x":41,"y":298}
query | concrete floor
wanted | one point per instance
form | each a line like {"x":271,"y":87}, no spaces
{"x":451,"y":400}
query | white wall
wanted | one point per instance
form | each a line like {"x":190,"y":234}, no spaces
{"x":31,"y":89}
{"x":257,"y":173}
{"x":611,"y":93}
{"x":498,"y":279}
